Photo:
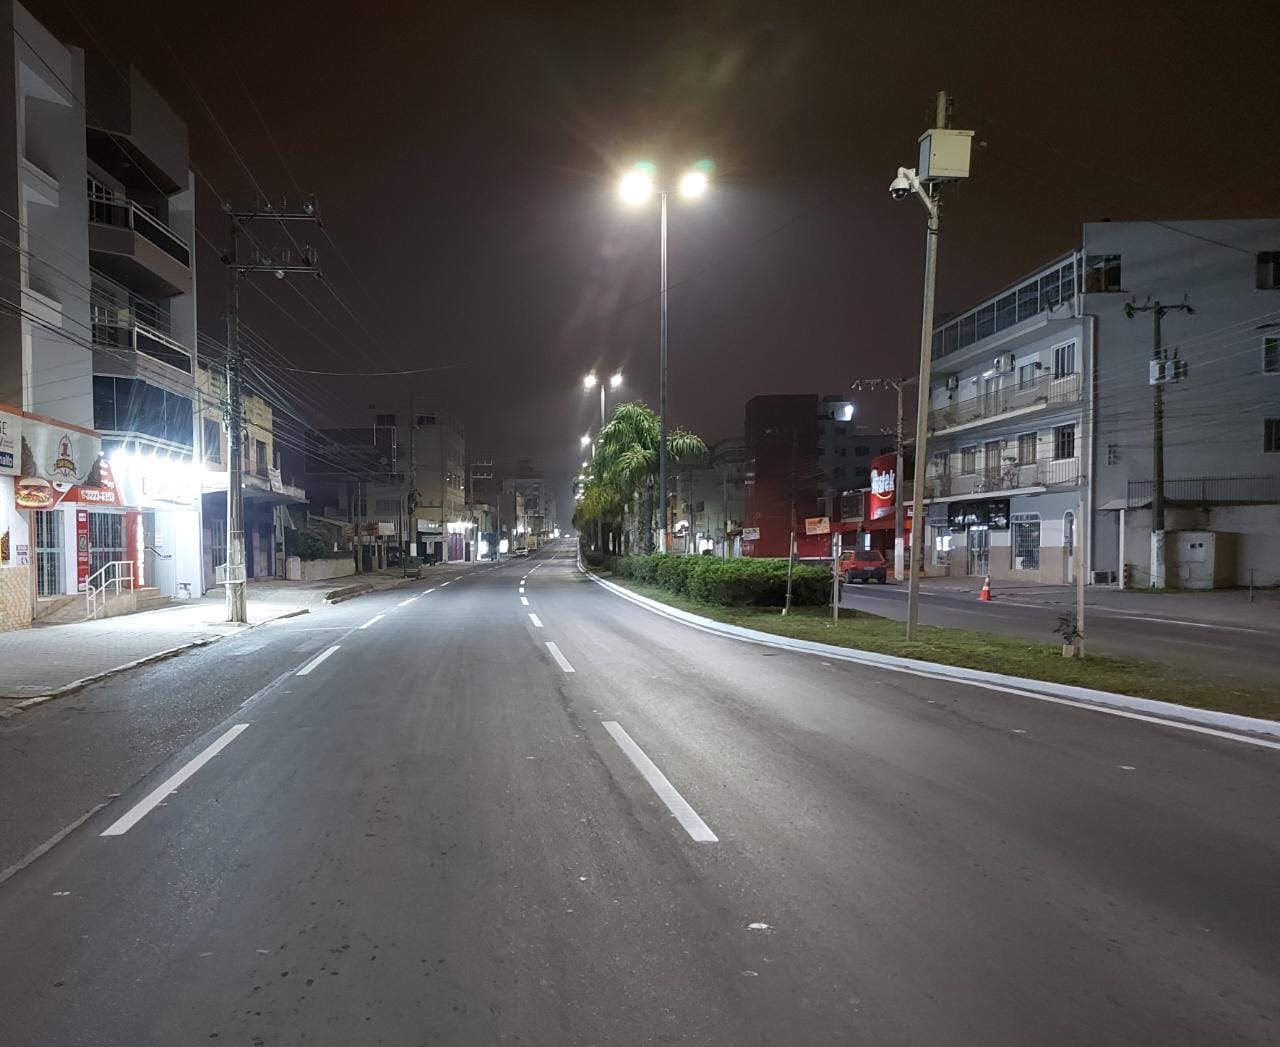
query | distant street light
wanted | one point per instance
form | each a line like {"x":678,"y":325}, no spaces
{"x":586,"y":439}
{"x":636,"y":187}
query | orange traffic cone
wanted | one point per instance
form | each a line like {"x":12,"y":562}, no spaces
{"x":986,"y":589}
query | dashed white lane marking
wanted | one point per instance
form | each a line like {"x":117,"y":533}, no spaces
{"x":426,"y":591}
{"x":317,"y":660}
{"x":375,"y":618}
{"x":535,"y":619}
{"x":522,"y":590}
{"x":144,"y":806}
{"x":667,"y":793}
{"x":524,"y":600}
{"x":443,"y":584}
{"x":561,"y":660}
{"x":405,"y":603}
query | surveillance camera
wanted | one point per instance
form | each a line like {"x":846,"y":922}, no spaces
{"x":279,"y":274}
{"x":900,"y":188}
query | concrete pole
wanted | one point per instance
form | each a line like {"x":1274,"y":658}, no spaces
{"x":237,"y":608}
{"x":662,"y":391}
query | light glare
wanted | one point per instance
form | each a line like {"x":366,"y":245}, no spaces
{"x":636,"y":187}
{"x":589,"y":381}
{"x":615,"y":381}
{"x":694,"y":183}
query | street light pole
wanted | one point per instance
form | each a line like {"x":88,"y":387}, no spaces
{"x":662,"y":392}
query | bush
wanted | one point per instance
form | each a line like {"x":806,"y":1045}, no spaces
{"x":730,"y":583}
{"x":311,"y":544}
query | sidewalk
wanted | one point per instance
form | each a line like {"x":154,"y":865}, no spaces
{"x":1213,"y":607}
{"x":48,"y":660}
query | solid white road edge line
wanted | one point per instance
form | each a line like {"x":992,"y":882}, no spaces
{"x":144,"y":806}
{"x":524,"y":600}
{"x":660,"y":784}
{"x":535,"y":619}
{"x":375,"y":618}
{"x":561,"y":660}
{"x":1231,"y":726}
{"x":316,"y":660}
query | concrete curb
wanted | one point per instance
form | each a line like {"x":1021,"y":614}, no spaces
{"x":169,"y":652}
{"x":1228,"y":725}
{"x":85,"y":681}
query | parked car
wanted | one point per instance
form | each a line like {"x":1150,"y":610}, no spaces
{"x":522,"y":550}
{"x":864,"y":565}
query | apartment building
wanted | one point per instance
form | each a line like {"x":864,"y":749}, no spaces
{"x":98,"y":341}
{"x":710,"y":501}
{"x":1042,"y":412}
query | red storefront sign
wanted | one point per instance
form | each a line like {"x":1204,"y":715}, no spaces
{"x":884,"y":492}
{"x":82,"y":549}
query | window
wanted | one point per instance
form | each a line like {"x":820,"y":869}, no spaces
{"x":1027,"y":375}
{"x":1113,"y":454}
{"x":968,"y":461}
{"x":1026,"y":541}
{"x":862,"y":450}
{"x":941,"y":541}
{"x":1271,"y":356}
{"x":1268,"y":270}
{"x":212,"y":440}
{"x":1102,"y":273}
{"x":1064,"y":442}
{"x":942,"y":463}
{"x":1026,"y":448}
{"x":260,"y":457}
{"x":217,"y":539}
{"x":275,"y":457}
{"x":385,"y":420}
{"x":386,"y":505}
{"x":1271,"y":436}
{"x":1064,"y":360}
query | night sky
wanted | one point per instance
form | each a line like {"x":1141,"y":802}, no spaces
{"x":465,"y":158}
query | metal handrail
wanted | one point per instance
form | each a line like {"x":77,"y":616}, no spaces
{"x":121,"y":572}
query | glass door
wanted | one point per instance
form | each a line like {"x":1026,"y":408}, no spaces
{"x":49,"y":557}
{"x":106,"y":540}
{"x":979,"y":550}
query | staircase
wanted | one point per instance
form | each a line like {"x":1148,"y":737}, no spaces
{"x":149,"y":598}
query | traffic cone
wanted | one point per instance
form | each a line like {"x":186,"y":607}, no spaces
{"x":986,"y":589}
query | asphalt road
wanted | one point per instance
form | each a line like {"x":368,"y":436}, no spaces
{"x":1250,"y":654}
{"x":447,"y":830}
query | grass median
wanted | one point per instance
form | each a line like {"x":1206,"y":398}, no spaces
{"x":991,"y":652}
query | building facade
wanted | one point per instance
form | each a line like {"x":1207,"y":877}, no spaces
{"x":1042,"y":413}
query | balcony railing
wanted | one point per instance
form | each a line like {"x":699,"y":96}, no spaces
{"x":125,"y":214}
{"x":1042,"y":392}
{"x":1012,"y":476}
{"x":137,"y":337}
{"x":1209,"y":490}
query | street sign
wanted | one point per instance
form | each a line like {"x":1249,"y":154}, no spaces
{"x":751,"y":534}
{"x":817,"y":525}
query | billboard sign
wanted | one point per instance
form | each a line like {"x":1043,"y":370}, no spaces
{"x":817,"y":525}
{"x":884,"y":493}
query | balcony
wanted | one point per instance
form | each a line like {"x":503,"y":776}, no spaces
{"x":1042,"y":474}
{"x":136,"y":249}
{"x":1011,"y":399}
{"x":123,"y":336}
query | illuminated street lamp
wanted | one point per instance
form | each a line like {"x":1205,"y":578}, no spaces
{"x":590,"y":381}
{"x":636,"y":187}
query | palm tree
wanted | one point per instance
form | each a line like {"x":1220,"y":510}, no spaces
{"x":601,"y":504}
{"x":627,"y":458}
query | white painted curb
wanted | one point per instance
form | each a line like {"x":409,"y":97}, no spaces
{"x":1205,"y":721}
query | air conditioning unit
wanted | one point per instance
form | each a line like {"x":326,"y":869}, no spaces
{"x":953,"y":381}
{"x":1005,"y":363}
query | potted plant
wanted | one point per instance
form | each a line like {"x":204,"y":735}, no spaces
{"x":1069,"y":629}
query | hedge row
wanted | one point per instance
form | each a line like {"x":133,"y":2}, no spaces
{"x":742,"y":582}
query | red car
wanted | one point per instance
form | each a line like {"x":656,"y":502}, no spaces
{"x":865,"y":565}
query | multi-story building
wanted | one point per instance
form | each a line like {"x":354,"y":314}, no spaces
{"x":781,"y":475}
{"x":710,"y":500}
{"x":442,"y":526}
{"x":102,"y":339}
{"x":268,"y":493}
{"x":1042,"y":408}
{"x":1007,"y":441}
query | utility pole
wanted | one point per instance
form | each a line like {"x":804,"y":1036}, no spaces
{"x":411,"y":523}
{"x":944,"y":154}
{"x":233,"y":412}
{"x":791,"y":549}
{"x":1163,"y":371}
{"x":899,"y":539}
